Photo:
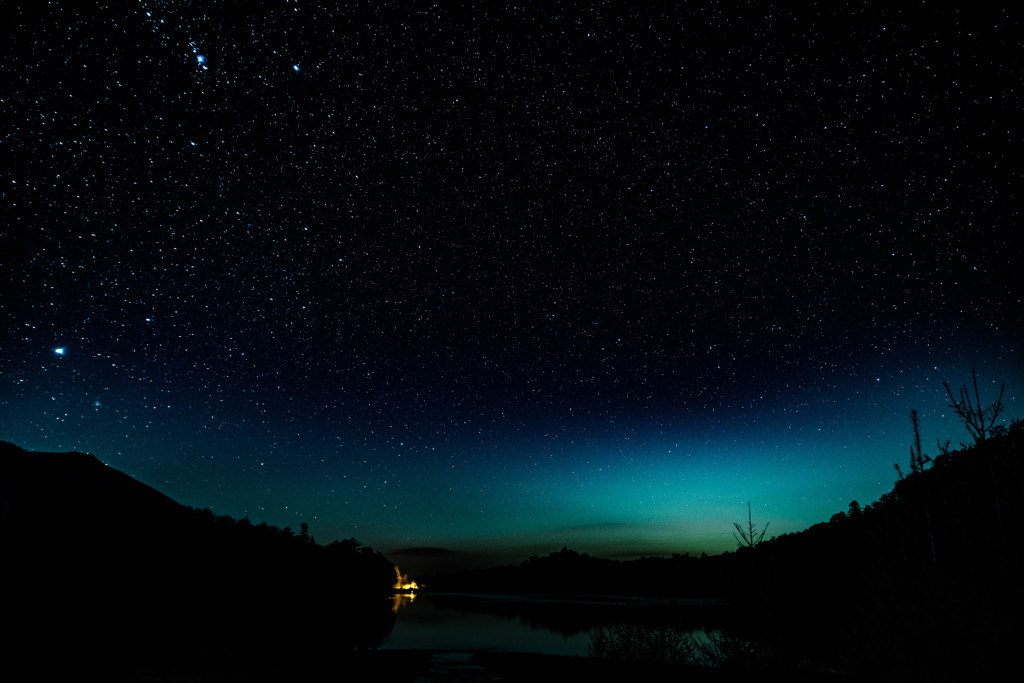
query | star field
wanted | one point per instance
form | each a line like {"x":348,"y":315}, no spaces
{"x":507,"y":277}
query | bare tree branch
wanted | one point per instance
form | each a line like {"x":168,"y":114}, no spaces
{"x":978,"y":420}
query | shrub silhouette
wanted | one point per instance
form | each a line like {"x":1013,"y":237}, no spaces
{"x":648,"y":643}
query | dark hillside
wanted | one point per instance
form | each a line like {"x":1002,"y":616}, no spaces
{"x":924,"y":584}
{"x":99,"y":567}
{"x":65,"y":494}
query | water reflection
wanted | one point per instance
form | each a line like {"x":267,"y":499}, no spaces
{"x":524,"y":624}
{"x":399,"y":600}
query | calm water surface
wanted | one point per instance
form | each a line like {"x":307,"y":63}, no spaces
{"x":507,"y":623}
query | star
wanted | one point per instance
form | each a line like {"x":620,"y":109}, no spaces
{"x":59,"y":351}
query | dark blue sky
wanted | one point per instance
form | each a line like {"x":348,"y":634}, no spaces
{"x":504,"y":279}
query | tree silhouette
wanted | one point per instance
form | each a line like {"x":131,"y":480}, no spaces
{"x":978,"y":420}
{"x":749,"y":537}
{"x":917,"y":458}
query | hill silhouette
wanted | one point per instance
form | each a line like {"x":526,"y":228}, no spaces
{"x":59,"y":492}
{"x":568,"y":572}
{"x":100,"y":568}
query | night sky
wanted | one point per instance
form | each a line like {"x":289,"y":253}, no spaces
{"x":503,"y":279}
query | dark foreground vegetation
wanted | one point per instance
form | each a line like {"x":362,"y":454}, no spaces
{"x":100,"y":570}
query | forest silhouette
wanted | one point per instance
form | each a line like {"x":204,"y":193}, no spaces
{"x":923,"y":584}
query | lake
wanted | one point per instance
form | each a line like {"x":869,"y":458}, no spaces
{"x":517,"y":623}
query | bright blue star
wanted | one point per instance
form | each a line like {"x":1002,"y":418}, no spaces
{"x":295,"y":67}
{"x":59,"y":350}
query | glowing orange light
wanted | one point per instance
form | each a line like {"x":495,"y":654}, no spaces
{"x":403,"y":583}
